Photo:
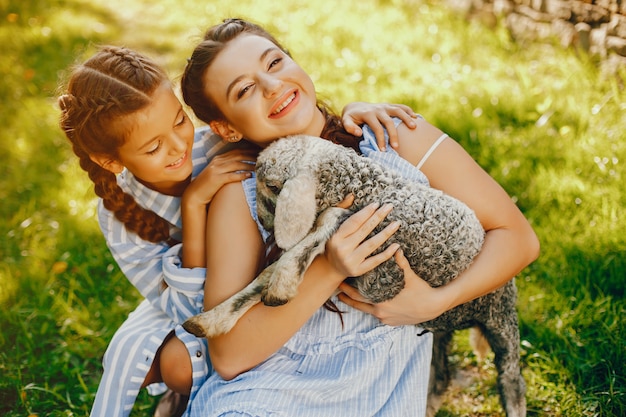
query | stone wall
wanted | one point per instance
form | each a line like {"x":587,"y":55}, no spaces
{"x":597,"y":27}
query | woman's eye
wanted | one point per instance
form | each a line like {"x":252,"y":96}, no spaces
{"x":243,"y":91}
{"x":182,"y":120}
{"x":275,"y":62}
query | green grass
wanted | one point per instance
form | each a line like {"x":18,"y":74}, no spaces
{"x":543,"y":121}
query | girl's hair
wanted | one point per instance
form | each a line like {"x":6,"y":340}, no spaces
{"x":214,"y":41}
{"x":97,"y":111}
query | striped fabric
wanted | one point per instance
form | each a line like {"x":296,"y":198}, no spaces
{"x":147,"y":265}
{"x":328,"y":368}
{"x":361,"y":369}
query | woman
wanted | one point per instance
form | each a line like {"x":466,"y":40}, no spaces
{"x":300,"y":358}
{"x":153,"y":173}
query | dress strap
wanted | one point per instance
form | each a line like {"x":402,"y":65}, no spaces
{"x":431,"y":150}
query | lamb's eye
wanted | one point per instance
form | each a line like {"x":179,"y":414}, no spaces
{"x":273,"y":188}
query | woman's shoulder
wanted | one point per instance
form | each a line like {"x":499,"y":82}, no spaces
{"x":390,"y":157}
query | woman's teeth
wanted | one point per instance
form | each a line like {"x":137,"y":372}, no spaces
{"x":285,"y":103}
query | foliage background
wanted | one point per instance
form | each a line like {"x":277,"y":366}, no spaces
{"x":543,"y":121}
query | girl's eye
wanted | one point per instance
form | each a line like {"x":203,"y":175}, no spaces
{"x":182,"y":120}
{"x":155,"y":149}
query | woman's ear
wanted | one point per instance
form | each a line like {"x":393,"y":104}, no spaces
{"x":225,"y":131}
{"x":108,"y":163}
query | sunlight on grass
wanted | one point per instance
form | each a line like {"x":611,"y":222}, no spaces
{"x":543,"y":121}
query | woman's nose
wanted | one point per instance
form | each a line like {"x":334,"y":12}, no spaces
{"x":271,"y":85}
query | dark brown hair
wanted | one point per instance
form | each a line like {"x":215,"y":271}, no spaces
{"x":214,"y":41}
{"x":192,"y":86}
{"x":97,"y":111}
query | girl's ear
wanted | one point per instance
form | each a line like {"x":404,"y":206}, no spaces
{"x":107,"y":163}
{"x":225,"y":131}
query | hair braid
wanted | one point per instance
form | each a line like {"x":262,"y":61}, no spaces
{"x":101,"y":93}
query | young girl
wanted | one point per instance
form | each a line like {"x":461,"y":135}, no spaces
{"x":153,"y":173}
{"x":300,"y":359}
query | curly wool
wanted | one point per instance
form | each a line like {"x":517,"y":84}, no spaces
{"x":300,"y":181}
{"x":440,"y":236}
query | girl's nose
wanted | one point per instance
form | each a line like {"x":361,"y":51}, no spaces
{"x":177,"y":143}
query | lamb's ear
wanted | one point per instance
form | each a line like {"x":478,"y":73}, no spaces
{"x":295,"y":209}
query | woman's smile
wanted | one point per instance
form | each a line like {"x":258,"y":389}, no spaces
{"x":284,"y":105}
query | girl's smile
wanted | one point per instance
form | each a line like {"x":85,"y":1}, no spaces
{"x":179,"y":162}
{"x":157,"y":150}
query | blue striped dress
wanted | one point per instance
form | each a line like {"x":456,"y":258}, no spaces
{"x":328,"y":368}
{"x":147,"y":266}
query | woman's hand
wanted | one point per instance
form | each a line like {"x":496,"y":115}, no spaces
{"x":379,"y":118}
{"x":348,"y":251}
{"x":231,"y":166}
{"x":416,"y":303}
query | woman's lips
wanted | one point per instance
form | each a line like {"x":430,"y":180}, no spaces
{"x":284,"y":105}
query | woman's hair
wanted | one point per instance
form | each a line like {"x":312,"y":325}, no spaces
{"x":102,"y":95}
{"x":192,"y":86}
{"x":214,"y":41}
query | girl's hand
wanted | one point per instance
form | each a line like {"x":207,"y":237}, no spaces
{"x":416,"y":303}
{"x":232,"y":166}
{"x":349,"y":253}
{"x":378,"y":118}
{"x":228,"y":167}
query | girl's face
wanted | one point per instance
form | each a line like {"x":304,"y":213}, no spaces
{"x":262,"y":92}
{"x":158,"y":149}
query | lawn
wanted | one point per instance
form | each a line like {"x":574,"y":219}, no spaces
{"x":543,"y":121}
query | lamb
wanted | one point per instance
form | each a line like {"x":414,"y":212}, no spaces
{"x":300,"y":180}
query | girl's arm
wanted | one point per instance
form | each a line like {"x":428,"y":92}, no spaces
{"x":379,"y":118}
{"x":510,"y":243}
{"x":232,"y":166}
{"x":235,"y":252}
{"x":148,"y":265}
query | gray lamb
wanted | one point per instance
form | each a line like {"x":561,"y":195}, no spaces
{"x":301,"y":179}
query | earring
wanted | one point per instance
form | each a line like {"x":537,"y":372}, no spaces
{"x":233,"y":138}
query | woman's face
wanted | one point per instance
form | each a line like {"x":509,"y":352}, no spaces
{"x":158,"y":149}
{"x":262,"y":92}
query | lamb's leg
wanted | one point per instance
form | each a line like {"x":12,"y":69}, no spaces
{"x":504,"y":340}
{"x":290,"y":267}
{"x":224,"y":316}
{"x":439,"y":372}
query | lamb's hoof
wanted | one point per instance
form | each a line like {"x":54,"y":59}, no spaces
{"x":194,"y":328}
{"x":272,"y":301}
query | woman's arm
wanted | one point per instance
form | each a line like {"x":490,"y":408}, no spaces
{"x":235,"y":252}
{"x":510,"y":243}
